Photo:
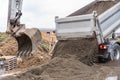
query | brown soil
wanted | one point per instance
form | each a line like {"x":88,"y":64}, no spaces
{"x":72,"y":60}
{"x":35,"y":60}
{"x":40,"y":57}
{"x":9,"y":46}
{"x":98,"y":6}
{"x":66,"y":63}
{"x":84,"y":50}
{"x":101,"y":7}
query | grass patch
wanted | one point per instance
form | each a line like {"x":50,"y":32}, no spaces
{"x":45,"y":46}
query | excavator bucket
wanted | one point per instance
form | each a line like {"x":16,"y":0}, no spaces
{"x":28,"y":39}
{"x":28,"y":42}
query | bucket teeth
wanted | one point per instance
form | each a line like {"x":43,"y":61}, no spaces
{"x":28,"y":42}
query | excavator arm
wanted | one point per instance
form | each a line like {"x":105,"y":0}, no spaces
{"x":14,"y":15}
{"x":28,"y":39}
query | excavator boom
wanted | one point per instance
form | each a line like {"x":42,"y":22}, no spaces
{"x":14,"y":14}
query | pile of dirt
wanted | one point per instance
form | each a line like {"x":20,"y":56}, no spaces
{"x":38,"y":58}
{"x":58,"y":69}
{"x":8,"y":46}
{"x":98,"y":6}
{"x":84,"y":50}
{"x":101,"y":7}
{"x":71,"y":60}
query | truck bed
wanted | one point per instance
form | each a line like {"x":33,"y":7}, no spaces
{"x":85,"y":25}
{"x":98,"y":6}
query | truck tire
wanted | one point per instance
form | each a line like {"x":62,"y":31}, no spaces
{"x":102,"y":60}
{"x":115,"y":52}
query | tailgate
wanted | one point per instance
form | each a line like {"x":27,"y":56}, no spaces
{"x":75,"y":27}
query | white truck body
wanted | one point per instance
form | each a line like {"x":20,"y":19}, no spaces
{"x":86,"y":25}
{"x":77,"y":26}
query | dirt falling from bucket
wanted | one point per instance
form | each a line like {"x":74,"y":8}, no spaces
{"x":84,"y":50}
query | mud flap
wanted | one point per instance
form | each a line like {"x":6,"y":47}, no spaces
{"x":28,"y":42}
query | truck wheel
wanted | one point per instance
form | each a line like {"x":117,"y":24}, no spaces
{"x":115,"y":52}
{"x":102,"y":60}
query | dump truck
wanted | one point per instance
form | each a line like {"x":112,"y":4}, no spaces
{"x":88,"y":23}
{"x":28,"y":39}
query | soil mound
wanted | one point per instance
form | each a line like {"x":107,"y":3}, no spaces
{"x":84,"y":50}
{"x":60,"y":69}
{"x":67,"y":62}
{"x":35,"y":60}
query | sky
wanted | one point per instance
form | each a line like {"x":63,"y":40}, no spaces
{"x":41,"y":13}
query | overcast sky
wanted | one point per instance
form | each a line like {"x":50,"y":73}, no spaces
{"x":41,"y":13}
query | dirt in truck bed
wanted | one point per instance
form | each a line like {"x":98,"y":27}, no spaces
{"x":98,"y":6}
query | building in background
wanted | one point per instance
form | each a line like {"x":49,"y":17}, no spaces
{"x":49,"y":35}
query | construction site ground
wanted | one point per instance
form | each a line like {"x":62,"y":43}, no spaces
{"x":71,"y":60}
